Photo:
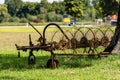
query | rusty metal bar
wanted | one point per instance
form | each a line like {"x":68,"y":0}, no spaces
{"x":57,"y":27}
{"x":35,"y":47}
{"x":35,"y":29}
{"x":69,"y":54}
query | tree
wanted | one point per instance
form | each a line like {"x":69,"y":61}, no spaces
{"x":58,"y":7}
{"x":29,"y":8}
{"x":89,"y":10}
{"x":53,"y":17}
{"x":74,"y":8}
{"x":7,"y":1}
{"x":37,"y":8}
{"x":112,"y":8}
{"x":44,"y":6}
{"x":94,"y":2}
{"x":13,"y":6}
{"x":3,"y":12}
{"x":107,"y":9}
{"x":44,"y":3}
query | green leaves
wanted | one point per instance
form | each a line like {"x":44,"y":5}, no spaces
{"x":3,"y":12}
{"x":74,"y":8}
{"x":118,"y":0}
{"x":108,"y":6}
{"x":13,"y":6}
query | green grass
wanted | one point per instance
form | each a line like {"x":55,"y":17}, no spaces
{"x":70,"y":68}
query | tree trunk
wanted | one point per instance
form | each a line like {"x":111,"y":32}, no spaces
{"x":116,"y":35}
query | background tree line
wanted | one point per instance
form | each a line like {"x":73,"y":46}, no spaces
{"x":19,"y":11}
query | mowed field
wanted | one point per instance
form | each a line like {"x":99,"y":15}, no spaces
{"x":70,"y":68}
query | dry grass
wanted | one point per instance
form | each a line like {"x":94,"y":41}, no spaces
{"x":8,"y":39}
{"x":20,"y":36}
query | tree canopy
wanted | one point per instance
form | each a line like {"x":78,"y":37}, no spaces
{"x":108,"y":7}
{"x":13,"y":6}
{"x":74,"y":7}
{"x":84,"y":9}
{"x":112,"y":8}
{"x":3,"y":12}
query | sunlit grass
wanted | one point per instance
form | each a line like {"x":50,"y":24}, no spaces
{"x":70,"y":68}
{"x":24,"y":29}
{"x":51,"y":29}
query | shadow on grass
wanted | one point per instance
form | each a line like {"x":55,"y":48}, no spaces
{"x":10,"y":61}
{"x":77,"y":62}
{"x":8,"y":78}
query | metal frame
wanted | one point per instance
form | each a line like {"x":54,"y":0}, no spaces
{"x":52,"y":62}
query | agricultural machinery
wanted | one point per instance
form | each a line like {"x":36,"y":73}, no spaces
{"x":75,"y":41}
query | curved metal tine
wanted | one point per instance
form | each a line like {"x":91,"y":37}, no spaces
{"x":68,"y":32}
{"x":93,"y":49}
{"x":54,"y":35}
{"x":78,"y":30}
{"x":98,"y":29}
{"x":58,"y":39}
{"x":89,"y":29}
{"x":110,"y":30}
{"x":71,"y":35}
{"x":57,"y":27}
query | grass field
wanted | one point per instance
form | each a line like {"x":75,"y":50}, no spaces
{"x":70,"y":68}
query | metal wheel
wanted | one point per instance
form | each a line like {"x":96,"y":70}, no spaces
{"x":31,"y":58}
{"x":52,"y":63}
